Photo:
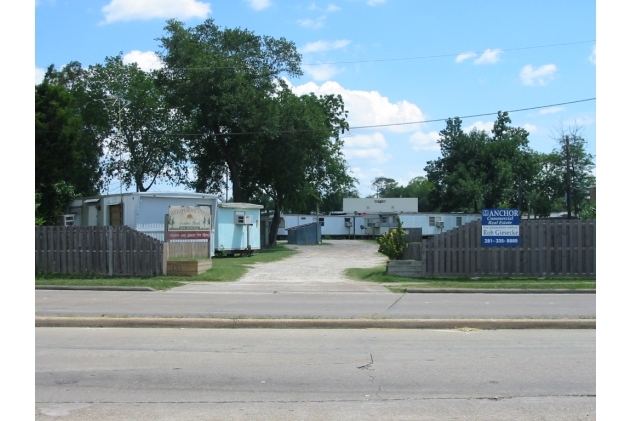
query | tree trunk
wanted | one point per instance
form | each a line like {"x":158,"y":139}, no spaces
{"x":237,"y":196}
{"x":273,"y":231}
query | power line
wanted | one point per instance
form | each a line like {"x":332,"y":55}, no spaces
{"x":473,"y":115}
{"x":378,"y":125}
{"x":401,"y":58}
{"x":399,"y":124}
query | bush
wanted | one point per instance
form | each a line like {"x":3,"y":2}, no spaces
{"x":392,"y":243}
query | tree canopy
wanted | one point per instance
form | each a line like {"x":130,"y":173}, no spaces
{"x":478,"y":169}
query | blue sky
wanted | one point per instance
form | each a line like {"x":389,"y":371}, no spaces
{"x":392,"y":62}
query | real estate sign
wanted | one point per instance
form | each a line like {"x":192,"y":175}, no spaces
{"x":189,"y":223}
{"x":500,"y":227}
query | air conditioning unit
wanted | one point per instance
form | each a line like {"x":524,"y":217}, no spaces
{"x":240,"y":218}
{"x":348,"y":222}
{"x":440,"y":224}
{"x":65,"y":220}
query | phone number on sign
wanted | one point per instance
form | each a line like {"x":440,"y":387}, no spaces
{"x":501,"y":241}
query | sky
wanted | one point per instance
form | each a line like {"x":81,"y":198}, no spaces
{"x":392,"y":61}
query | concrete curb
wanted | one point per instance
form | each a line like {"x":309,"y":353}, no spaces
{"x":409,"y":290}
{"x":211,"y":323}
{"x":498,"y":291}
{"x":92,"y":288}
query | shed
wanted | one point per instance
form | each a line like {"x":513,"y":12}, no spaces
{"x":308,"y":234}
{"x":238,"y":227}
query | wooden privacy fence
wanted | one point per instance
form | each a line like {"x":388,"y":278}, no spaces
{"x":549,"y":248}
{"x":93,"y":250}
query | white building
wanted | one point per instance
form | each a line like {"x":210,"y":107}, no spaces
{"x":376,"y":205}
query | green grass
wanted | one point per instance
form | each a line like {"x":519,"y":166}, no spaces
{"x":402,"y":284}
{"x":225,"y":269}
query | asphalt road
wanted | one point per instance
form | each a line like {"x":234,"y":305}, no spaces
{"x":381,"y":374}
{"x":312,"y":305}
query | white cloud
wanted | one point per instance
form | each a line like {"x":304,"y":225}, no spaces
{"x":147,"y":60}
{"x":310,"y":23}
{"x":539,"y":76}
{"x":425,"y":141}
{"x":322,"y":71}
{"x":583,"y":121}
{"x":319,"y":46}
{"x":487,"y":127}
{"x":489,"y":57}
{"x":366,"y":146}
{"x":373,"y":154}
{"x":39,"y":75}
{"x":375,"y":2}
{"x":126,"y":10}
{"x":369,"y":108}
{"x":530,"y":128}
{"x":592,"y":56}
{"x":259,"y":4}
{"x":333,"y":8}
{"x":366,"y":141}
{"x":464,"y":56}
{"x":551,"y":110}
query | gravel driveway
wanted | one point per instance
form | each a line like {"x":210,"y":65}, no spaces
{"x":313,"y":269}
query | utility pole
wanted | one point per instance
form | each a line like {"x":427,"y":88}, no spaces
{"x":568,"y":184}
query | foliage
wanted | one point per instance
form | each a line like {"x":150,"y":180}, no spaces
{"x":392,"y":243}
{"x":574,"y":168}
{"x":222,"y":81}
{"x":383,"y":186}
{"x":588,"y":211}
{"x":478,"y":169}
{"x":62,"y":164}
{"x":142,"y":143}
{"x":302,"y":160}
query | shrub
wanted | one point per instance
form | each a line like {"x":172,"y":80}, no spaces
{"x":392,"y":243}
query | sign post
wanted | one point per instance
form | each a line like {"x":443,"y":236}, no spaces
{"x":500,"y":227}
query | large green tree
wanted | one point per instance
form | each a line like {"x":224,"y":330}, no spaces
{"x":63,"y":165}
{"x":574,"y":166}
{"x":301,"y":162}
{"x":480,"y":170}
{"x":143,"y":144}
{"x":221,"y":79}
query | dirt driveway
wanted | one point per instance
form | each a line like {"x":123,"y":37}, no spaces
{"x":313,"y":269}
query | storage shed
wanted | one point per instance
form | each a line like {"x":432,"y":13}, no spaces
{"x":238,"y":227}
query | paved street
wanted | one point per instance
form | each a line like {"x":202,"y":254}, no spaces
{"x":310,"y":305}
{"x":165,"y":374}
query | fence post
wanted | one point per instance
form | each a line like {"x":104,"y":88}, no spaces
{"x":110,"y":250}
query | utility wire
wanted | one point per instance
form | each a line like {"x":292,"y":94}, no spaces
{"x":399,"y":124}
{"x":399,"y":58}
{"x":378,"y":125}
{"x":473,"y":115}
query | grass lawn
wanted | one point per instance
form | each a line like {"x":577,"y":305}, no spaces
{"x":402,"y":284}
{"x":224,"y":269}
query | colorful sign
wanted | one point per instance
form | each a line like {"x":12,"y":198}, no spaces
{"x":500,"y":227}
{"x":189,"y":223}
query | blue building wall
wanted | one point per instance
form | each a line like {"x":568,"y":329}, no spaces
{"x":230,"y":236}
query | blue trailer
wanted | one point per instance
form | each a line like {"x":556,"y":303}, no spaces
{"x":238,"y":228}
